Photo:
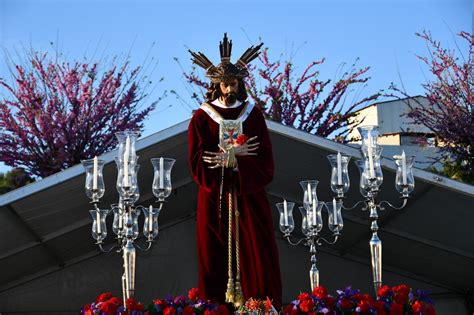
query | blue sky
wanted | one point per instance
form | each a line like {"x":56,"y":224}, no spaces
{"x":381,"y":33}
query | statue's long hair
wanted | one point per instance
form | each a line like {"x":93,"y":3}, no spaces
{"x":214,"y":92}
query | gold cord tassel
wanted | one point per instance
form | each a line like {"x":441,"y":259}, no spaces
{"x":229,"y":295}
{"x":239,"y":296}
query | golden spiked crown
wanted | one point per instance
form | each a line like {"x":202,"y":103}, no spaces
{"x":226,"y":70}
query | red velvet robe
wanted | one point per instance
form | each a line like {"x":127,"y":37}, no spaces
{"x":259,"y":259}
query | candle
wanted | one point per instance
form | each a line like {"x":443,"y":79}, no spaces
{"x":334,"y":207}
{"x":339,"y":169}
{"x":285,"y":211}
{"x":126,"y":182}
{"x":314,"y":212}
{"x":404,"y":168}
{"x":310,"y":198}
{"x":94,"y":181}
{"x":98,"y":222}
{"x":369,"y":153}
{"x":161,"y":173}
{"x":150,"y":220}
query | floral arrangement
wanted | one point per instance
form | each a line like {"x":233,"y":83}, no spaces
{"x":399,"y":300}
{"x":257,"y":307}
{"x":193,"y":304}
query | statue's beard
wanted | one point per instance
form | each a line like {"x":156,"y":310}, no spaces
{"x":230,"y":98}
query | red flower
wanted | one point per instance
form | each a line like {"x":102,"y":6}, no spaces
{"x":169,"y":311}
{"x":188,"y":310}
{"x":346,"y":304}
{"x":364,"y":306}
{"x":307,"y":305}
{"x":402,"y":289}
{"x":304,"y":296}
{"x":103,"y":297}
{"x":194,"y":294}
{"x":329,"y":301}
{"x":320,"y":292}
{"x":379,"y":307}
{"x":288,"y":309}
{"x":116,"y":300}
{"x":131,"y":304}
{"x":396,"y":309}
{"x":222,"y":310}
{"x":418,"y":307}
{"x":89,"y":312}
{"x":87,"y":307}
{"x":268,"y":304}
{"x":160,"y":302}
{"x":431,"y":310}
{"x":147,"y":313}
{"x":401,"y":298}
{"x":208,"y":312}
{"x":241,"y":139}
{"x":109,"y":308}
{"x":384,"y":291}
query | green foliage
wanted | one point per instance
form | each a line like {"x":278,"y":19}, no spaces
{"x":13,"y":179}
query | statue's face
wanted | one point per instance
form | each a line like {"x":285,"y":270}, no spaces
{"x":229,"y":91}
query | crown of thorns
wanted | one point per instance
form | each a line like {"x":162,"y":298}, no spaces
{"x":226,"y":70}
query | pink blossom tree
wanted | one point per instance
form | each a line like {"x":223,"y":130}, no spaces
{"x":58,"y":113}
{"x":450,"y":110}
{"x":300,"y":100}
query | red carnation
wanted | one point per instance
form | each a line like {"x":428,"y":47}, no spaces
{"x":241,"y":139}
{"x":109,"y":308}
{"x":194,"y":294}
{"x":304,"y":296}
{"x":384,"y":291}
{"x":103,"y":297}
{"x":320,"y":292}
{"x":188,"y":310}
{"x":307,"y":305}
{"x":402,"y":289}
{"x":346,"y":304}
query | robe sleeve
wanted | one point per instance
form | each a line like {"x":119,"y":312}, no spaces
{"x":200,"y":139}
{"x":255,"y":172}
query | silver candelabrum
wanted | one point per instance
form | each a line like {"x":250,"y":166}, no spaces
{"x":126,"y":213}
{"x":371,"y":177}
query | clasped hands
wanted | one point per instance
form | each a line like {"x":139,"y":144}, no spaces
{"x":220,"y":159}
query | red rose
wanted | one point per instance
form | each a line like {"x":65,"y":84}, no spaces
{"x":307,"y":305}
{"x":320,"y":292}
{"x":384,"y":291}
{"x":346,"y":304}
{"x":103,"y":297}
{"x":188,"y":310}
{"x":396,"y":309}
{"x":86,"y":307}
{"x":194,"y":294}
{"x":418,"y":307}
{"x":222,"y":310}
{"x":304,"y":296}
{"x":169,"y":311}
{"x":159,"y":302}
{"x":241,"y":139}
{"x":131,"y":304}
